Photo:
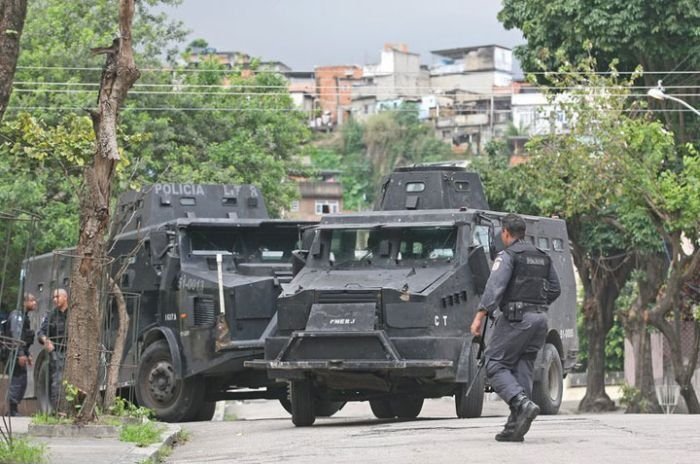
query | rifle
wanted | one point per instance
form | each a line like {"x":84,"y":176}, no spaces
{"x":481,"y":359}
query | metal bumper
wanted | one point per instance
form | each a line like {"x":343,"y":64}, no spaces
{"x":336,"y":351}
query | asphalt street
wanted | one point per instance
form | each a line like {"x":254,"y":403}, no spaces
{"x":262,"y":432}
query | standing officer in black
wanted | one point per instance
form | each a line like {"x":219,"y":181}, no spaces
{"x":522,"y":283}
{"x":53,"y":336}
{"x":20,"y":329}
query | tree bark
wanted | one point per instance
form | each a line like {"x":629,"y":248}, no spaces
{"x":634,"y":321}
{"x":602,"y":277}
{"x":683,"y":270}
{"x":85,"y":313}
{"x":118,"y":351}
{"x":12,"y":16}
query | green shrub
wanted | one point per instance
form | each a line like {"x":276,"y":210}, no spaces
{"x":44,"y":418}
{"x":125,"y":408}
{"x":633,"y":400}
{"x":22,"y":451}
{"x":141,"y":434}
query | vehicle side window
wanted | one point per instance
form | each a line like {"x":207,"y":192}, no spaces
{"x":481,"y":237}
{"x":558,"y":244}
{"x":543,"y":243}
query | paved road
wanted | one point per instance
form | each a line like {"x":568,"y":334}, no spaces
{"x":263,"y":433}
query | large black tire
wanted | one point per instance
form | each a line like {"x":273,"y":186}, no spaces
{"x":471,"y":406}
{"x":41,"y":385}
{"x":548,"y":386}
{"x":286,"y":404}
{"x":302,"y":400}
{"x":406,"y":407}
{"x":325,"y":408}
{"x":382,"y":409}
{"x":172,"y":399}
{"x":205,"y":412}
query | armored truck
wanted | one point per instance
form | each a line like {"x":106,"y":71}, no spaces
{"x":381,"y":310}
{"x":202,"y":267}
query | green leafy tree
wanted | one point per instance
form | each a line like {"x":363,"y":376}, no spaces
{"x":576,"y":175}
{"x":656,"y":34}
{"x":370,"y":150}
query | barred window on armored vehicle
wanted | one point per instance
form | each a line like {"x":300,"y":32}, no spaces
{"x":428,"y":243}
{"x":558,"y":244}
{"x":481,"y":237}
{"x":354,"y":245}
{"x":414,"y":187}
{"x":255,"y":245}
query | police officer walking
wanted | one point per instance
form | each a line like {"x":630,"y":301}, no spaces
{"x":522,"y":283}
{"x":20,"y":329}
{"x":52,"y":335}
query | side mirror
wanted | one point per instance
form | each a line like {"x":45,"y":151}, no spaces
{"x":316,"y":248}
{"x":479,"y":268}
{"x":498,"y":245}
{"x":299,"y":260}
{"x":159,"y":243}
{"x":384,"y":248}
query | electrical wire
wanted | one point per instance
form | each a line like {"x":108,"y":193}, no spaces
{"x":272,"y":71}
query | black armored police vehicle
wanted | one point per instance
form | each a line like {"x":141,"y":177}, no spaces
{"x":203,"y":267}
{"x":381,"y":310}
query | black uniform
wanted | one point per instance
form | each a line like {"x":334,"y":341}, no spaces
{"x":54,"y":328}
{"x":19,"y":329}
{"x":522,"y":283}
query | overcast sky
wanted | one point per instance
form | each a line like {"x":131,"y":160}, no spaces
{"x":306,"y":33}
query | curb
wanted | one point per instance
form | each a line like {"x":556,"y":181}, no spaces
{"x":139,"y":455}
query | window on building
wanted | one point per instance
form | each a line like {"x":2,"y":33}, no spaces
{"x":327,"y":207}
{"x":294,"y":207}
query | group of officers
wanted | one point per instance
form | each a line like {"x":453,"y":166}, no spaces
{"x":51,"y":334}
{"x":521,"y":285}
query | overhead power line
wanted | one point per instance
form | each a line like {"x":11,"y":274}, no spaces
{"x":38,"y":90}
{"x":272,"y":71}
{"x":297,"y":110}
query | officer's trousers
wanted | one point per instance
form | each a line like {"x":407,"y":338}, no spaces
{"x":18,"y":386}
{"x":56,"y":362}
{"x":511,"y":352}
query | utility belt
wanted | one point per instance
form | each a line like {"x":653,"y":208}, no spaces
{"x":514,"y":310}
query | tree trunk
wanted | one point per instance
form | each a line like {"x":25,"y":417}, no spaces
{"x":603,"y":278}
{"x":12,"y":16}
{"x":85,"y":313}
{"x":596,"y":399}
{"x":684,"y":269}
{"x":118,"y":351}
{"x":634,"y":320}
{"x":638,"y":336}
{"x":682,"y":372}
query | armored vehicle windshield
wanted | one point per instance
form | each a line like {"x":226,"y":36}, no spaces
{"x":384,"y":246}
{"x":264,"y":244}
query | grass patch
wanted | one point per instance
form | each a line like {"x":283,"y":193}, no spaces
{"x":182,"y":437}
{"x":50,"y":419}
{"x":141,"y":434}
{"x":124,"y":408}
{"x":22,"y":451}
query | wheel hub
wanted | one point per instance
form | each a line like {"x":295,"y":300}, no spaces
{"x":162,"y":382}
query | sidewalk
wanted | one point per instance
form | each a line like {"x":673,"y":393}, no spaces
{"x":95,"y":450}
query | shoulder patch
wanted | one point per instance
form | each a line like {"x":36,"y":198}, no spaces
{"x":496,"y":264}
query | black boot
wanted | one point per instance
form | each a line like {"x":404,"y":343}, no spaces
{"x":526,"y":411}
{"x":507,"y":433}
{"x":13,"y":409}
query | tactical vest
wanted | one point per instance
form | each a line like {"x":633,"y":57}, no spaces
{"x":528,"y":282}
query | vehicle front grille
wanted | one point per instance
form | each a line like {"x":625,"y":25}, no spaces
{"x":347,"y":296}
{"x":204,"y":311}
